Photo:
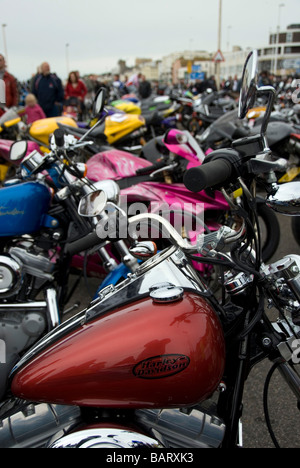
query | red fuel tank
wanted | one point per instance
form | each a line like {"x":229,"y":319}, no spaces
{"x":142,"y":355}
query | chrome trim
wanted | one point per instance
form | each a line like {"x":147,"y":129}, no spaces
{"x":286,"y":199}
{"x":31,"y":425}
{"x":24,"y":305}
{"x":106,"y":438}
{"x":196,"y":427}
{"x":53,"y":310}
{"x":11,"y":275}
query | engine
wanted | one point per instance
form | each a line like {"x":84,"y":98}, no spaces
{"x":197,"y":427}
{"x":11,"y":275}
{"x":22,"y":321}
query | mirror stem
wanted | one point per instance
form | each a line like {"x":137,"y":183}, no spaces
{"x":271,"y":92}
{"x":93,"y":127}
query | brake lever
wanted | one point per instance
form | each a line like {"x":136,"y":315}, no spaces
{"x":163,"y":169}
{"x":259,"y":166}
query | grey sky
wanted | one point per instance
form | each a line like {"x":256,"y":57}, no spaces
{"x":99,"y":32}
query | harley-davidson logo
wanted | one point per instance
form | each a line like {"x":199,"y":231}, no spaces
{"x":158,"y":367}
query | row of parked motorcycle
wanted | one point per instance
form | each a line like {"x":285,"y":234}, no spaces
{"x":178,"y":227}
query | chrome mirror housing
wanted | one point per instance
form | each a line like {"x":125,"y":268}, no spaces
{"x":111,"y":188}
{"x":286,"y":199}
{"x":249,"y":84}
{"x":92,"y":204}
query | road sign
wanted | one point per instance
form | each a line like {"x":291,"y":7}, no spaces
{"x":197,"y":76}
{"x":196,"y":68}
{"x":218,"y":57}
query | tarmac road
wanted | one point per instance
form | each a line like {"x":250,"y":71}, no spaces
{"x":285,"y":416}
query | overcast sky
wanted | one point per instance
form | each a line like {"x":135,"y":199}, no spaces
{"x":100,"y":32}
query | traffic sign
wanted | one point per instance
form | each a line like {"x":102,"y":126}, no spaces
{"x":218,"y":57}
{"x":197,"y":76}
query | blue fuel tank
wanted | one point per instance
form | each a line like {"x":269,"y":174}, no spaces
{"x":23,"y":208}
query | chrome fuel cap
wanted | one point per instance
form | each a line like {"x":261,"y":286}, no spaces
{"x":166,"y":292}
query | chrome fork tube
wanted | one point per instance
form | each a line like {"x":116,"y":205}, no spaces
{"x":52,"y":307}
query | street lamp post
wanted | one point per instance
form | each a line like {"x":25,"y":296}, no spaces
{"x":218,"y":64}
{"x":4,"y":43}
{"x":277,"y":38}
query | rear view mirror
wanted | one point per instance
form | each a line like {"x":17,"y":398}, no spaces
{"x":18,"y":150}
{"x":92,"y":204}
{"x":249,"y":84}
{"x":99,"y":101}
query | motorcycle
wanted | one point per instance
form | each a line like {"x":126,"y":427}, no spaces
{"x":161,"y":183}
{"x":283,"y":139}
{"x":39,"y":213}
{"x":32,"y":287}
{"x":126,"y":131}
{"x":208,"y":108}
{"x":176,"y":377}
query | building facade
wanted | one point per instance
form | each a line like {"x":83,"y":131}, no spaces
{"x":282,"y":55}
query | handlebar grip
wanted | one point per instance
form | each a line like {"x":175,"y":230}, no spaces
{"x":59,"y":136}
{"x":208,"y":175}
{"x":84,"y":243}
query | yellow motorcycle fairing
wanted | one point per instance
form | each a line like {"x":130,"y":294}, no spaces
{"x":118,"y":126}
{"x":127,"y":106}
{"x":41,"y":129}
{"x":3,"y":170}
{"x":10,"y":123}
{"x":290,"y":175}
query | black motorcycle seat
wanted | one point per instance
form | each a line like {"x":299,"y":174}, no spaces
{"x":276,"y":132}
{"x":97,"y":132}
{"x":152,"y":118}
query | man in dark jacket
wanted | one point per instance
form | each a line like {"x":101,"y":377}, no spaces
{"x":145,"y":89}
{"x":48,"y":89}
{"x":11,"y":91}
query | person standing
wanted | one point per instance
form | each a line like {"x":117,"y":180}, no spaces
{"x":75,"y":92}
{"x":33,"y":111}
{"x":145,"y":89}
{"x":48,"y":89}
{"x":11,"y":90}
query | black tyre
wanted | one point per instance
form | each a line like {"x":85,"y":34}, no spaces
{"x":296,"y":228}
{"x":270,"y":231}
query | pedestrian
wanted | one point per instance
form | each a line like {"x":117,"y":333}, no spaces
{"x":75,"y":92}
{"x":11,"y":89}
{"x":33,"y":110}
{"x":48,"y":89}
{"x":145,"y":89}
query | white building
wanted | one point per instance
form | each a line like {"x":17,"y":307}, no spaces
{"x":282,"y":55}
{"x":234,"y":62}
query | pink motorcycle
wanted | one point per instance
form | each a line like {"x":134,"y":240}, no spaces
{"x":155,"y":181}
